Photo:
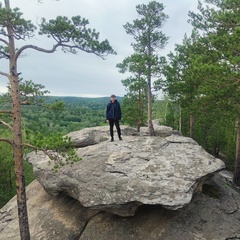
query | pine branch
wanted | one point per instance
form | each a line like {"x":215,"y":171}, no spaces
{"x":59,"y":44}
{"x":4,"y":41}
{"x":50,"y":154}
{"x":7,"y":125}
{"x":4,"y":34}
{"x":4,"y":55}
{"x":6,"y":111}
{"x":7,"y":141}
{"x":20,"y":50}
{"x":83,"y":49}
{"x":33,"y":147}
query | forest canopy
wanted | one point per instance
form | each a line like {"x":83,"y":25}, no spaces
{"x":78,"y":113}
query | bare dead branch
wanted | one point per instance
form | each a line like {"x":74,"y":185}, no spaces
{"x":4,"y":34}
{"x":4,"y":41}
{"x":31,"y":146}
{"x":6,"y":111}
{"x":7,"y":125}
{"x":20,"y":50}
{"x":4,"y":55}
{"x":6,"y":141}
{"x":4,"y":74}
{"x":26,"y":102}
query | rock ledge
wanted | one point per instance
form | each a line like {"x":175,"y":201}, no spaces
{"x":118,"y":177}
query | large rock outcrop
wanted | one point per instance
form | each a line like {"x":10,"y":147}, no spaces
{"x":119,"y":177}
{"x":211,"y":215}
{"x":50,"y":217}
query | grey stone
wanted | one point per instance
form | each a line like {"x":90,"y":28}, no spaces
{"x":91,"y":136}
{"x":207,"y":217}
{"x":95,"y":135}
{"x":159,"y":130}
{"x":119,"y":177}
{"x":58,"y":218}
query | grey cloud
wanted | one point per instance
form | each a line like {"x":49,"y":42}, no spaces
{"x":85,"y":74}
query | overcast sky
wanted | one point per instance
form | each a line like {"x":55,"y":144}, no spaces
{"x":85,"y":74}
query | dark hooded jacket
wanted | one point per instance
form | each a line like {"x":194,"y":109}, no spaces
{"x":114,"y":111}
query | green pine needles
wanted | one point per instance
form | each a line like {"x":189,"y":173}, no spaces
{"x":59,"y":149}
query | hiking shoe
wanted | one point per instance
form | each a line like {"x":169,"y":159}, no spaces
{"x":120,"y":138}
{"x":112,"y":140}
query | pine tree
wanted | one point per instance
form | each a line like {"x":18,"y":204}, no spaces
{"x":218,"y":21}
{"x":70,"y":35}
{"x":182,"y":78}
{"x":149,"y":39}
{"x":136,"y":86}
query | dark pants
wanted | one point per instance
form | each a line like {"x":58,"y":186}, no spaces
{"x":111,"y":124}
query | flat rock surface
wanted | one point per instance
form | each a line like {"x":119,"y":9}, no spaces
{"x":120,"y":176}
{"x":95,"y":135}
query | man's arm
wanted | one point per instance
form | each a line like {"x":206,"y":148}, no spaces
{"x":120,"y":111}
{"x":107,"y":109}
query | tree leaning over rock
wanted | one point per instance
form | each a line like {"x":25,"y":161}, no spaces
{"x":69,"y":34}
{"x":149,"y":39}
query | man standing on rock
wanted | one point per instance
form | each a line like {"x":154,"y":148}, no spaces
{"x":113,"y":116}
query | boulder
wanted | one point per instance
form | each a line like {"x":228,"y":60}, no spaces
{"x":159,"y":130}
{"x":120,"y":176}
{"x":213,"y":214}
{"x":50,"y":217}
{"x":91,"y":136}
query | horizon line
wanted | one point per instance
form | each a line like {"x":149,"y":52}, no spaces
{"x":80,"y":95}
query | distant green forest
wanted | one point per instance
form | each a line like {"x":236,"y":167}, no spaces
{"x":78,"y":113}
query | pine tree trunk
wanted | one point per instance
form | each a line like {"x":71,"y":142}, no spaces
{"x":150,"y":124}
{"x":191,"y":125}
{"x":180,"y":119}
{"x":166,"y":112}
{"x":10,"y":179}
{"x":236,"y":177}
{"x":18,"y":160}
{"x":17,"y":135}
{"x":149,"y":82}
{"x":139,"y":110}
